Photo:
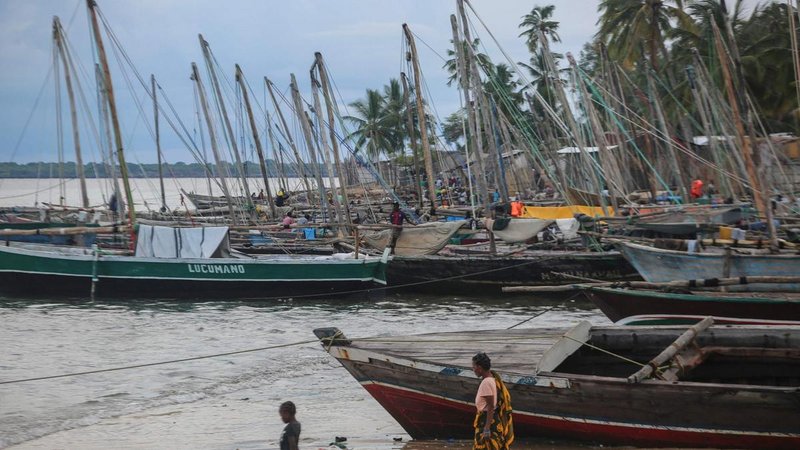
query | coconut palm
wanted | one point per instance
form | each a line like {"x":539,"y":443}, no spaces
{"x":538,"y":23}
{"x":451,"y":66}
{"x":374,"y":133}
{"x":633,"y":29}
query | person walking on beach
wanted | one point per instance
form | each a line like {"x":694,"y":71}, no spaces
{"x":396,"y":218}
{"x":494,"y":427}
{"x":290,"y":437}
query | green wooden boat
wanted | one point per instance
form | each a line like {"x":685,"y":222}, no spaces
{"x":188,"y":263}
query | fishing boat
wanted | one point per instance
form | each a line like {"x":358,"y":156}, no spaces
{"x":619,"y":304}
{"x":425,"y":239}
{"x":184,"y":263}
{"x":689,"y":222}
{"x":688,"y":319}
{"x":718,"y":386}
{"x":661,"y":265}
{"x":489,"y":274}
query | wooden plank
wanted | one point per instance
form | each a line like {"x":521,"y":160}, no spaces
{"x":685,"y":339}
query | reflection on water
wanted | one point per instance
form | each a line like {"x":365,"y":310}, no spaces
{"x":228,"y":402}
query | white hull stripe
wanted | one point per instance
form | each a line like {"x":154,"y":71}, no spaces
{"x":599,"y":422}
{"x":263,"y":280}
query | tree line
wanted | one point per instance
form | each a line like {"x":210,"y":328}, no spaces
{"x":172,"y":170}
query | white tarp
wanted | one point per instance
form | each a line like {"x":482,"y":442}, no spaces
{"x":519,"y":230}
{"x":170,"y":242}
{"x":568,"y":227}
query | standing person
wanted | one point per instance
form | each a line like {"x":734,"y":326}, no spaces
{"x":290,"y":437}
{"x":396,"y":218}
{"x":494,"y":427}
{"x":697,"y":189}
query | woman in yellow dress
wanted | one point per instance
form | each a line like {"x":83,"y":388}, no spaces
{"x":494,"y":427}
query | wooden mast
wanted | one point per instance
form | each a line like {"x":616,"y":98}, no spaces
{"x":112,"y":107}
{"x":423,"y":123}
{"x":326,"y":93}
{"x":300,"y":164}
{"x":57,"y":36}
{"x":412,"y":138}
{"x":305,"y":125}
{"x":599,"y":135}
{"x":325,"y":150}
{"x":201,"y":92}
{"x":226,"y":121}
{"x":277,"y":154}
{"x":259,"y":149}
{"x":737,"y":121}
{"x":474,"y":142}
{"x":158,"y":144}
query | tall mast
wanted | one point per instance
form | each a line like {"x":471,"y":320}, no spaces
{"x":213,"y":138}
{"x":300,"y":164}
{"x":305,"y":125}
{"x":59,"y":40}
{"x":259,"y":149}
{"x":412,"y":137}
{"x":158,"y":144}
{"x":231,"y":135}
{"x":106,"y":139}
{"x":112,"y":107}
{"x":326,"y":92}
{"x":277,"y":154}
{"x":473,"y":144}
{"x":325,"y":150}
{"x":423,"y":123}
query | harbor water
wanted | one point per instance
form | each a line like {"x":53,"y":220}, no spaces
{"x":228,"y":402}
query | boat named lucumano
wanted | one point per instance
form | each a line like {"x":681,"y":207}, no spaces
{"x":184,"y":263}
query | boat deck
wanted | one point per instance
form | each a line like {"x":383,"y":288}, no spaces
{"x":511,"y":351}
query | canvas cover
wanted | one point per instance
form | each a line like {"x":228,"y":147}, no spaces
{"x":425,"y":239}
{"x":172,"y":242}
{"x":518,"y":230}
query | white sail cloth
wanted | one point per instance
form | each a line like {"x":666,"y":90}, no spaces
{"x":518,"y":230}
{"x":425,"y":239}
{"x":169,"y":242}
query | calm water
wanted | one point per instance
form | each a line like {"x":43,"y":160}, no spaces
{"x":223,"y":403}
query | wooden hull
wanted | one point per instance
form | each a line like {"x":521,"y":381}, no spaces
{"x":434,"y":400}
{"x":34,"y":272}
{"x":618,"y":304}
{"x":489,"y":274}
{"x":658,"y":265}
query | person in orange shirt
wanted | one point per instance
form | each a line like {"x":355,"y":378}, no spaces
{"x":494,"y":427}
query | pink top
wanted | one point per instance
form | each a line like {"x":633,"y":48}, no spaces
{"x":488,"y":388}
{"x":288,"y":220}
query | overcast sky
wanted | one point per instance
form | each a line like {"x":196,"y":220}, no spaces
{"x":360,"y":39}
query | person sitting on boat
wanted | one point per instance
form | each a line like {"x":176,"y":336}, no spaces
{"x":262,"y":196}
{"x":290,"y":437}
{"x":697,"y":189}
{"x":288,"y":220}
{"x":396,"y":218}
{"x":280,"y":199}
{"x":494,"y":427}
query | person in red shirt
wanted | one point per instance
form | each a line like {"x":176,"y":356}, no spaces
{"x":396,"y":218}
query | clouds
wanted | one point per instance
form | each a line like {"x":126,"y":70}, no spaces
{"x":360,"y":39}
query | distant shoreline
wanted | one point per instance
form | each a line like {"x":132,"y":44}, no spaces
{"x":53,"y":170}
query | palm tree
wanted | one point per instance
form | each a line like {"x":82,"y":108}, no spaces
{"x":452,"y":67}
{"x":374,"y":132}
{"x":538,"y":23}
{"x":633,"y":29}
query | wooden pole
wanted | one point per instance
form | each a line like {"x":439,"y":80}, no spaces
{"x":158,"y":144}
{"x":744,"y":144}
{"x":213,"y":138}
{"x":682,"y":342}
{"x":305,"y":123}
{"x":106,"y":138}
{"x":112,"y":107}
{"x":300,"y":163}
{"x":256,"y":140}
{"x":328,"y":96}
{"x":423,"y":123}
{"x":226,"y":121}
{"x":473,"y":141}
{"x":58,"y":37}
{"x":277,"y":154}
{"x":599,"y":135}
{"x":412,"y":139}
{"x":325,"y":150}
